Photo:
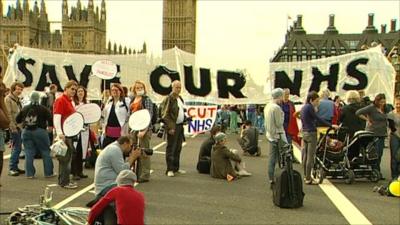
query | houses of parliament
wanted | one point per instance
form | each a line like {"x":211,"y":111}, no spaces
{"x":83,"y":28}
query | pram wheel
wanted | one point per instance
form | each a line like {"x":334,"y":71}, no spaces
{"x":350,"y":177}
{"x":375,"y":175}
{"x":318,"y":174}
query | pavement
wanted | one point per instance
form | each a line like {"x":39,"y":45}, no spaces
{"x":195,"y":198}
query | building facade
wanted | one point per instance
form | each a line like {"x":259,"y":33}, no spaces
{"x":179,"y":25}
{"x":300,"y":46}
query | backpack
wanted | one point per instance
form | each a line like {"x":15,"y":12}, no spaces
{"x":31,"y":118}
{"x":155,"y":113}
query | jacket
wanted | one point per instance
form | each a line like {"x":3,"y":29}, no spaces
{"x":4,"y":121}
{"x":349,"y":119}
{"x":170,"y":111}
{"x":14,"y":106}
{"x":121,"y":110}
{"x":220,"y":162}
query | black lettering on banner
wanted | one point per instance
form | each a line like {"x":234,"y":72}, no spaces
{"x":51,"y":71}
{"x":205,"y":82}
{"x":22,"y":67}
{"x":84,"y":77}
{"x":105,"y":84}
{"x":155,"y":76}
{"x":318,"y":78}
{"x":224,"y":88}
{"x":282,"y":80}
{"x":352,"y":71}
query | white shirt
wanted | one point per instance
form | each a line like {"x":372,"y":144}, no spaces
{"x":181,"y":114}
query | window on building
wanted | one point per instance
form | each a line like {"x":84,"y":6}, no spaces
{"x":352,"y":43}
{"x":77,"y":40}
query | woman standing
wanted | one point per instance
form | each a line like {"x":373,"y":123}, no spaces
{"x":83,"y":139}
{"x":115,"y":114}
{"x":376,"y":119}
{"x":394,"y":124}
{"x":309,"y":118}
{"x":142,"y":101}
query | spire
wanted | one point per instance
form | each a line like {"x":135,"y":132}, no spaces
{"x":331,"y":28}
{"x":144,"y":49}
{"x":43,"y":7}
{"x":79,"y":5}
{"x":36,"y":8}
{"x":90,"y":11}
{"x":109,"y":47}
{"x":65,"y":9}
{"x":1,"y":9}
{"x":103,"y":10}
{"x":18,"y":10}
{"x":25,"y":6}
{"x":115,"y":48}
{"x":91,"y":5}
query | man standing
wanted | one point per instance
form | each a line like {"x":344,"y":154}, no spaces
{"x":111,"y":162}
{"x":173,"y":116}
{"x":290,"y":121}
{"x":4,"y":122}
{"x":275,"y":132}
{"x":14,"y":106}
{"x":62,"y":109}
{"x":48,"y":102}
{"x":249,"y":139}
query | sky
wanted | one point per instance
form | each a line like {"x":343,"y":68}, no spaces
{"x":233,"y":34}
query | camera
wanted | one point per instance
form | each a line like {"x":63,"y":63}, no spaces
{"x":161,"y":130}
{"x":147,"y":151}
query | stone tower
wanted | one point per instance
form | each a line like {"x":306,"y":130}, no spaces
{"x":179,"y":25}
{"x":84,"y":29}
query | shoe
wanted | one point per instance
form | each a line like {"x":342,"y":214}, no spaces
{"x":51,"y":176}
{"x":244,"y":173}
{"x":143,"y":180}
{"x":30,"y":177}
{"x":13,"y":173}
{"x":70,"y":186}
{"x":83,"y":175}
{"x":271,"y":184}
{"x":76,"y":177}
{"x":309,"y":182}
{"x":21,"y":171}
{"x":170,"y":174}
{"x":181,"y":171}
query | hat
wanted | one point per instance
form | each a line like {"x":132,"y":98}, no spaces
{"x":126,"y":177}
{"x":276,"y":93}
{"x":35,"y":97}
{"x":219,"y":137}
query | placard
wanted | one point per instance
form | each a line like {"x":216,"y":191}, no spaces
{"x":139,"y":120}
{"x":73,"y":125}
{"x":91,"y":112}
{"x":104,"y":69}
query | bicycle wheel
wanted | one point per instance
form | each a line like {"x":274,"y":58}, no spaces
{"x":75,"y":215}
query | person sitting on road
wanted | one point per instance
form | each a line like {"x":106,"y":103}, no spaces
{"x":225,"y":163}
{"x":204,"y":162}
{"x":129,"y":203}
{"x":248,"y":140}
{"x":111,"y":162}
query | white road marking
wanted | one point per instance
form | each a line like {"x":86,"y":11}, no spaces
{"x":344,"y":205}
{"x":74,"y":196}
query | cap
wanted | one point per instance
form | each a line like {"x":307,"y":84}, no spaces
{"x":219,"y":136}
{"x":126,"y":177}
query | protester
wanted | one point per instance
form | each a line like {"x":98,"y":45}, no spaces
{"x":142,"y":101}
{"x":377,"y":123}
{"x":35,"y":119}
{"x":260,"y":119}
{"x":105,"y":97}
{"x":275,"y":132}
{"x":309,"y":119}
{"x":129,"y":203}
{"x":251,"y":113}
{"x":116,"y":115}
{"x":394,"y":139}
{"x":326,"y":107}
{"x":225,"y":163}
{"x":337,"y":109}
{"x":14,"y":106}
{"x":223,"y":117}
{"x":173,"y":115}
{"x":48,"y":102}
{"x":348,"y":117}
{"x":63,"y":107}
{"x":204,"y":159}
{"x":233,"y":118}
{"x":248,"y":140}
{"x":81,"y":147}
{"x":4,"y":122}
{"x":290,"y":121}
{"x":111,"y":162}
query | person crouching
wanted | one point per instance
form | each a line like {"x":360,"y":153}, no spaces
{"x":225,"y":163}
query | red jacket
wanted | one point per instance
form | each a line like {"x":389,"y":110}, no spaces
{"x":129,"y":205}
{"x":293,"y":129}
{"x":63,"y":106}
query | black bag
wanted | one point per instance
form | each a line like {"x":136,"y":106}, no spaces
{"x":288,"y":187}
{"x":154,"y":117}
{"x":204,"y":165}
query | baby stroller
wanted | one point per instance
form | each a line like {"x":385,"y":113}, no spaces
{"x":331,"y":157}
{"x":362,"y":155}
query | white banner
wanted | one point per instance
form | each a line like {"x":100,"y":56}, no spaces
{"x":368,"y":70}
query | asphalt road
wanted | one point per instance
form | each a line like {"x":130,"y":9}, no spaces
{"x":195,"y":198}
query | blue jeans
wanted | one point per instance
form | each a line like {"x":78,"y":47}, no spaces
{"x":394,"y":152}
{"x":15,"y":150}
{"x":260,"y":124}
{"x":380,"y":144}
{"x":35,"y":141}
{"x":273,"y":157}
{"x":251,"y":115}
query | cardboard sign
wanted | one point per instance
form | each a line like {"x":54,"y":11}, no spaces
{"x":73,"y":125}
{"x":91,"y":112}
{"x":139,"y":120}
{"x":104,"y":69}
{"x":203,"y":118}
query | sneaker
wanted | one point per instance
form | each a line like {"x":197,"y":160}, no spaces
{"x":21,"y":171}
{"x":244,"y":173}
{"x":70,"y":186}
{"x":181,"y":171}
{"x":51,"y":176}
{"x":30,"y":177}
{"x":76,"y":177}
{"x":13,"y":173}
{"x":170,"y":173}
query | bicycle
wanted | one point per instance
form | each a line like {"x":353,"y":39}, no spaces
{"x":44,"y":214}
